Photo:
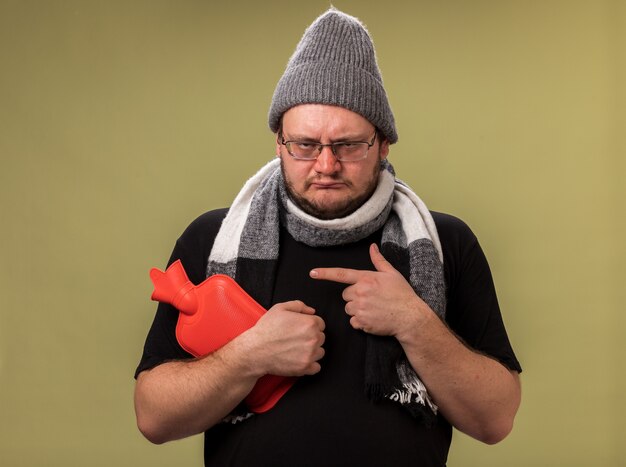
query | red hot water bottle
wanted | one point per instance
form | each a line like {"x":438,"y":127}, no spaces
{"x":211,"y":314}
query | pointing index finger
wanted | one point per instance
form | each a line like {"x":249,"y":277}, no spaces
{"x":342,"y":275}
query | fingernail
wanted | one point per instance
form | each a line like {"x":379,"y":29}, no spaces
{"x":313,"y":273}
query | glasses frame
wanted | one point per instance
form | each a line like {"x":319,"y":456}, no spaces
{"x":320,"y":147}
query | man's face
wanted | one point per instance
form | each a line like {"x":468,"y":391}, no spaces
{"x":326,"y":188}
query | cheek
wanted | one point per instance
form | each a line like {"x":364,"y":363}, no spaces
{"x":296,"y":175}
{"x":367,"y":175}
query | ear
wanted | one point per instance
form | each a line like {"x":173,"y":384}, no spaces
{"x":384,"y":149}
{"x":278,"y":145}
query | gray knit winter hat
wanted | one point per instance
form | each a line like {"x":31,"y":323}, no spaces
{"x":335,"y":64}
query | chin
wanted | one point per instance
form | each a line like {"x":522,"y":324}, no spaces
{"x":329,"y":210}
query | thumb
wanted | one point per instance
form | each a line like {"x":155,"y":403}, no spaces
{"x":379,"y":261}
{"x":298,"y":306}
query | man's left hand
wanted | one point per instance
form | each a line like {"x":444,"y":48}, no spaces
{"x":379,"y":302}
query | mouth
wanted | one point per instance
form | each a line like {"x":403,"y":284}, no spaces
{"x":327,"y":185}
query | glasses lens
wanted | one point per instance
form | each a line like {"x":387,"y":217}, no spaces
{"x":350,"y":151}
{"x":302,"y":150}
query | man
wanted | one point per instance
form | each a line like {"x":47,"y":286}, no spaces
{"x":384,"y":311}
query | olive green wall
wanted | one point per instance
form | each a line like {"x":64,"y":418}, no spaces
{"x":121,"y":121}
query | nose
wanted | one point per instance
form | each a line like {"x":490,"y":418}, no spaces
{"x":326,"y":162}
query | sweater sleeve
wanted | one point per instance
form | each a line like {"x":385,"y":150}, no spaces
{"x":192,"y":248}
{"x":473,"y":312}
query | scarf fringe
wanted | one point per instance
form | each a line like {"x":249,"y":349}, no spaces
{"x":413,"y":393}
{"x":233,"y":419}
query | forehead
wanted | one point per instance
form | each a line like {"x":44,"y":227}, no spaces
{"x":320,"y":119}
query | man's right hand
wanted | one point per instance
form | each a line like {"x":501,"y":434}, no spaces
{"x":286,"y":341}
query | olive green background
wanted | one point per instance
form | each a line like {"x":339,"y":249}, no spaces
{"x":121,"y":121}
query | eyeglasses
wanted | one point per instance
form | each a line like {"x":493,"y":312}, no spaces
{"x":344,"y":151}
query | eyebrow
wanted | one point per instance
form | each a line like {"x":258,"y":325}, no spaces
{"x":346,"y":138}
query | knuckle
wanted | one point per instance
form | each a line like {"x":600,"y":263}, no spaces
{"x":321,"y":339}
{"x":311,"y":326}
{"x":370,"y":281}
{"x":341,"y":274}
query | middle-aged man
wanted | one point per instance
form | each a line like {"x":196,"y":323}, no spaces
{"x":384,"y":311}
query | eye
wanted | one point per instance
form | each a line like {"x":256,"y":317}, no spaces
{"x":304,"y":145}
{"x":348,"y":147}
